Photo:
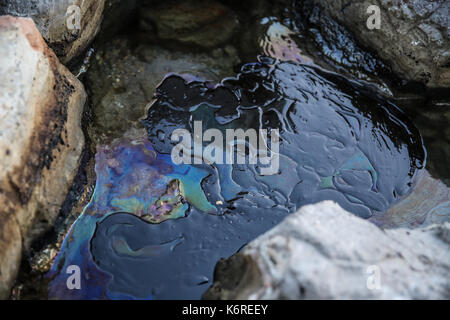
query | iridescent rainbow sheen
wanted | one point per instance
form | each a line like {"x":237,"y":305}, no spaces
{"x":131,"y":178}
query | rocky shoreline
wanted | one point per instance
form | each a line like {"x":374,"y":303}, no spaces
{"x":126,"y":57}
{"x":343,"y":254}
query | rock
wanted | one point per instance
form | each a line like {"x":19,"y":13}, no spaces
{"x":10,"y":252}
{"x":56,"y":22}
{"x":122,"y":80}
{"x":435,"y":136}
{"x":203,"y":23}
{"x":413,"y":35}
{"x":40,"y":142}
{"x":324,"y":252}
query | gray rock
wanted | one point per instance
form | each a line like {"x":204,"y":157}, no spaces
{"x":324,"y":252}
{"x":51,"y":18}
{"x":413,"y":38}
{"x":41,"y":139}
{"x":122,"y":80}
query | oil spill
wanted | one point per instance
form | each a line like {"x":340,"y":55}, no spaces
{"x":155,"y":230}
{"x":338,"y":140}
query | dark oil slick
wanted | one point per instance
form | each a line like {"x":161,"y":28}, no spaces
{"x":154,"y":230}
{"x":337,"y":141}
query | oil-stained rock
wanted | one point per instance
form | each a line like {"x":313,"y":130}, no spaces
{"x":413,"y":35}
{"x":66,"y":33}
{"x":41,"y":140}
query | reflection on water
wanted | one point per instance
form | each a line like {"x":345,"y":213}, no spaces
{"x":278,"y":42}
{"x":156,"y":230}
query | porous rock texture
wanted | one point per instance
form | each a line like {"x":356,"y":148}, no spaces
{"x":57,"y":21}
{"x":324,"y":252}
{"x":41,"y":139}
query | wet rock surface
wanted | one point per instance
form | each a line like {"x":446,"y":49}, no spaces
{"x":324,"y":252}
{"x":432,"y":120}
{"x":40,"y":141}
{"x":51,"y":18}
{"x":413,"y":36}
